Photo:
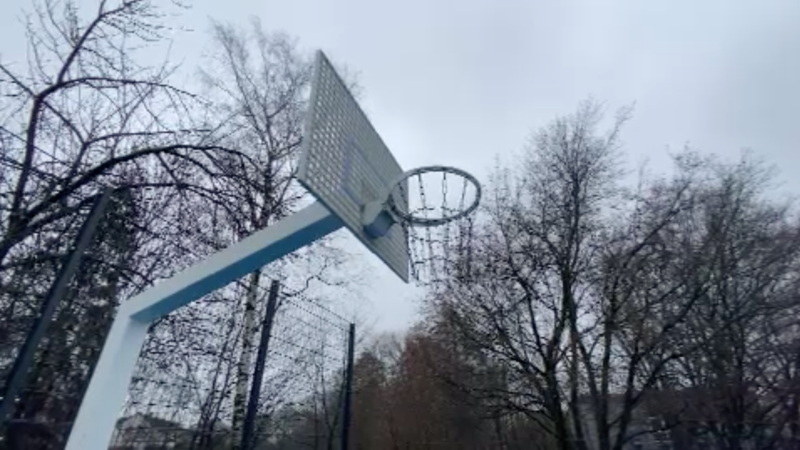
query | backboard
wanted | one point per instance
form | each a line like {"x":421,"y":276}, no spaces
{"x":345,"y":164}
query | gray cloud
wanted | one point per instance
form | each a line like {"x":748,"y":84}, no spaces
{"x":461,"y":82}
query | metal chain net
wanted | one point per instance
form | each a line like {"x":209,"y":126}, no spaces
{"x":439,"y":254}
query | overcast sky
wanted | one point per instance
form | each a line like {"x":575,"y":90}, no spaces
{"x":460,"y":82}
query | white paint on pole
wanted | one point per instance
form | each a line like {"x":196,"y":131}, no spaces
{"x":105,"y":396}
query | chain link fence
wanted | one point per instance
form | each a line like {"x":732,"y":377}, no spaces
{"x":190,"y":388}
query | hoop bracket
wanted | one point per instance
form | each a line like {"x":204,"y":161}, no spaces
{"x":376,"y":219}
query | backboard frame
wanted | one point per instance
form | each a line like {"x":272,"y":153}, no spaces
{"x":345,"y":164}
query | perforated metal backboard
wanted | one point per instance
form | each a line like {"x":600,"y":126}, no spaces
{"x":345,"y":164}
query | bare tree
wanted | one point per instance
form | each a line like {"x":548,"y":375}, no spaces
{"x":81,"y":115}
{"x":550,"y":296}
{"x":615,"y":316}
{"x":255,"y":90}
{"x":259,"y":83}
{"x":740,"y":380}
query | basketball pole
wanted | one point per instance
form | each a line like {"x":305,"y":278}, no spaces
{"x":105,"y":396}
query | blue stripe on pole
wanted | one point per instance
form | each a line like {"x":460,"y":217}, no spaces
{"x":227,"y":274}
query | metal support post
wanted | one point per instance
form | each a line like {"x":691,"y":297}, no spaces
{"x":348,"y":388}
{"x":258,"y":375}
{"x":22,"y":363}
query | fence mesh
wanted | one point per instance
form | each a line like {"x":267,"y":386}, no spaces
{"x":49,"y":397}
{"x":190,"y":386}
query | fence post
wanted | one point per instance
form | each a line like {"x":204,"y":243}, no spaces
{"x":22,"y":363}
{"x":348,"y":388}
{"x":258,"y":376}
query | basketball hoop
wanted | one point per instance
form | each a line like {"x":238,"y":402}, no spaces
{"x":345,"y":165}
{"x":437,"y":223}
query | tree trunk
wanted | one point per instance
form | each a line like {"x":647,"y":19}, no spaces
{"x":245,"y":359}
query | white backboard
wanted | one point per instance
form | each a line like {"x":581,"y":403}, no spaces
{"x":345,"y":164}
